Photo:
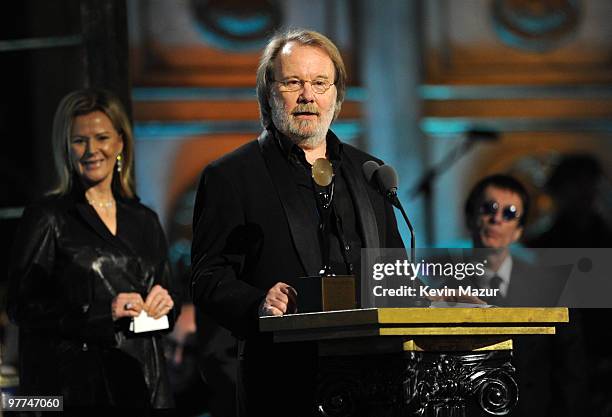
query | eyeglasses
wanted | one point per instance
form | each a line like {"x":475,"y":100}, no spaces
{"x":490,"y":208}
{"x":294,"y":84}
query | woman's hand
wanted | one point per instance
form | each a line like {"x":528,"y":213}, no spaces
{"x":158,"y":302}
{"x":126,"y":304}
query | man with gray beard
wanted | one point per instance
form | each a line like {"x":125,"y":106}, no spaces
{"x":256,"y":219}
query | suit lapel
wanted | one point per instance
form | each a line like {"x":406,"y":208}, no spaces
{"x":305,"y":237}
{"x":361,"y":201}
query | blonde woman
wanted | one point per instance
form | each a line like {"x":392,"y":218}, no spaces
{"x":87,"y":259}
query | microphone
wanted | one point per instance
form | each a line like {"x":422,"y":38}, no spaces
{"x":385,"y":178}
{"x":388,"y":182}
{"x":369,"y":168}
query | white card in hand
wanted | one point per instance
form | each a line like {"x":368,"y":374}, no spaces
{"x":144,"y":323}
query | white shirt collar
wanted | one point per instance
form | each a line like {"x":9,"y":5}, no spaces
{"x":504,"y":272}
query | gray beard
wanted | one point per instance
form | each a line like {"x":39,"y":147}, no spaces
{"x":298,"y":131}
{"x":307,"y":142}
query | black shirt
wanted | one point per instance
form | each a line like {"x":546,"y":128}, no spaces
{"x":345,"y":241}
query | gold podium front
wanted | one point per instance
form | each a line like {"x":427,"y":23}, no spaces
{"x":443,"y":362}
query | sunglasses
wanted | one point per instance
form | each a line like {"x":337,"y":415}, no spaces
{"x":491,"y":208}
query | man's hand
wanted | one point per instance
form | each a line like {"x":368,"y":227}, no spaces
{"x":184,"y":327}
{"x":280,"y":299}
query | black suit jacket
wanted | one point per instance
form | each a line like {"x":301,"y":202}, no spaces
{"x":250,"y":232}
{"x":65,"y":270}
{"x":535,"y":286}
{"x":550,"y":370}
{"x":250,"y":229}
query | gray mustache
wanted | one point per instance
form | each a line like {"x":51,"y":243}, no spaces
{"x":306,"y":108}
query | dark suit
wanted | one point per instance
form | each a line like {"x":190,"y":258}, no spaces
{"x":251,"y":230}
{"x":65,"y":271}
{"x":534,"y":286}
{"x":550,"y":370}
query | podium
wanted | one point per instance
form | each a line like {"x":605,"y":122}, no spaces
{"x":428,"y":362}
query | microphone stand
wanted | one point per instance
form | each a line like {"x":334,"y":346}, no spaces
{"x":425,"y":184}
{"x":393,"y":198}
{"x":386,"y":178}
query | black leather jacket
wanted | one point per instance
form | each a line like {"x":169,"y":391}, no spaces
{"x":65,"y":270}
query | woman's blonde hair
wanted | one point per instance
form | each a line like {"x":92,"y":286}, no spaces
{"x":81,"y":102}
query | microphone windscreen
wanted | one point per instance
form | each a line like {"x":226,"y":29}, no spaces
{"x":387,"y":176}
{"x":369,"y":168}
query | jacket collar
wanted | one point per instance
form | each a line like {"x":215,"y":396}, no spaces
{"x":290,"y":149}
{"x":89,"y":215}
{"x":364,"y":210}
{"x":303,"y":236}
{"x":297,"y":214}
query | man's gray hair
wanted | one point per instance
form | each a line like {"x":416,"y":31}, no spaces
{"x":265,"y":71}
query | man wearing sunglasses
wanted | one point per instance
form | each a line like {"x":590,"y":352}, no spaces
{"x":495,"y":214}
{"x":549,"y":369}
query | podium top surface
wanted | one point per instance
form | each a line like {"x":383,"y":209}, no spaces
{"x":429,"y":317}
